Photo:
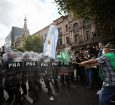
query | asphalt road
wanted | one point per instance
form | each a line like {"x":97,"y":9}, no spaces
{"x":76,"y":95}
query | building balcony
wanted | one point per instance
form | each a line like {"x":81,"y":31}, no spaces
{"x":92,"y":41}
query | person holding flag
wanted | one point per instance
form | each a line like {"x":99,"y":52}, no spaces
{"x":51,"y":42}
{"x":49,"y":51}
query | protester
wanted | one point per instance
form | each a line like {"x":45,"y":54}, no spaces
{"x":107,"y":63}
{"x":100,"y":53}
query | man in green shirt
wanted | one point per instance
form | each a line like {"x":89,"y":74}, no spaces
{"x":107,"y":63}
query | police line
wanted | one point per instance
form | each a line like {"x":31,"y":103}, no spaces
{"x":12,"y":68}
{"x":30,"y":64}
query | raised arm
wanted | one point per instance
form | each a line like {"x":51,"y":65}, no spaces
{"x":89,"y":62}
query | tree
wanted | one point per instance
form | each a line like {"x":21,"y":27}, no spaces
{"x":33,"y":43}
{"x":102,"y":12}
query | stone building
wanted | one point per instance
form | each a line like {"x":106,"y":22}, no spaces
{"x":43,"y":32}
{"x":24,"y":33}
{"x":74,"y":33}
{"x":15,"y":37}
{"x":10,"y":39}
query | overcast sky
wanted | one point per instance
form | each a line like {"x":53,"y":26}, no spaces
{"x":39,"y":13}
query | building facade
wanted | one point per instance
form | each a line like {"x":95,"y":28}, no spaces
{"x":74,"y":33}
{"x":10,"y":39}
{"x":25,"y":30}
{"x":42,"y":33}
{"x":15,"y":38}
{"x":18,"y":43}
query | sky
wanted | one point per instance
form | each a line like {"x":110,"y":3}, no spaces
{"x":39,"y":14}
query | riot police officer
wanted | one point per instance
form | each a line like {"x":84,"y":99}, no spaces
{"x":1,"y":84}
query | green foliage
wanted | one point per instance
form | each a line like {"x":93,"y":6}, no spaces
{"x":33,"y":43}
{"x":102,"y":12}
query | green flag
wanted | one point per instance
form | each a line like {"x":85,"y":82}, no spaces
{"x":64,"y":57}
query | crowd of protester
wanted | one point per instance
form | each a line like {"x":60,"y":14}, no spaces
{"x":77,"y":73}
{"x":100,"y":76}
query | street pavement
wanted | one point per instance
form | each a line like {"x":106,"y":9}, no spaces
{"x":76,"y":95}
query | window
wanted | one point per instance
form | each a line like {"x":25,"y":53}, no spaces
{"x":75,"y":26}
{"x":93,"y":36}
{"x":87,"y":35}
{"x":44,"y":37}
{"x":75,"y":37}
{"x":67,"y":27}
{"x":60,"y":41}
{"x":67,"y":40}
{"x":60,"y":31}
{"x":86,"y":23}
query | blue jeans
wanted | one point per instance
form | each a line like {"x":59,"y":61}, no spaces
{"x":107,"y":93}
{"x":89,"y":74}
